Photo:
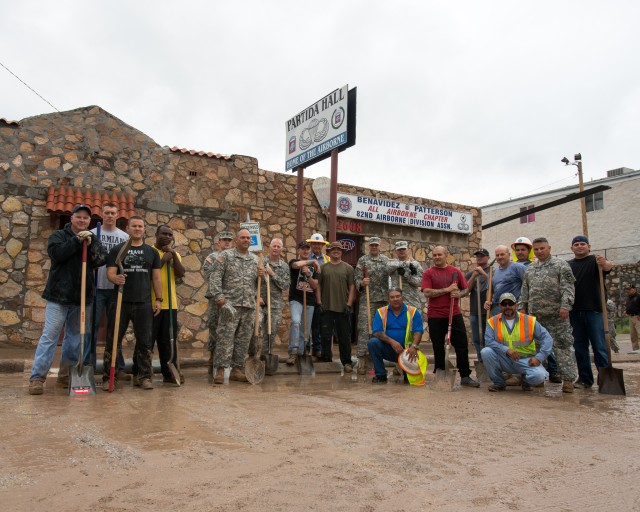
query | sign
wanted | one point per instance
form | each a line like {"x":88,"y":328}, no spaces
{"x":256,"y":239}
{"x":317,"y":130}
{"x":390,"y":211}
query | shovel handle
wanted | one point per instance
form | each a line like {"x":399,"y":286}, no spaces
{"x":257,"y":321}
{"x":605,"y":318}
{"x":365,"y":272}
{"x":267,"y":281}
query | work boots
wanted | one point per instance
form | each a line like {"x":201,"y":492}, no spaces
{"x":238,"y":375}
{"x":219,"y":378}
{"x":567,"y":386}
{"x":36,"y":387}
{"x":362,"y":365}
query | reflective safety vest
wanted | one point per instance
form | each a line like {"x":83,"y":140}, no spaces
{"x":414,"y":380}
{"x":520,"y":338}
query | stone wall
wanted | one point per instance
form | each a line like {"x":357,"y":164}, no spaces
{"x":197,"y":194}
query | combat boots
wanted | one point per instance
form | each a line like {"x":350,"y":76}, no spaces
{"x":567,"y":386}
{"x":219,"y":378}
{"x":362,"y":365}
{"x":238,"y":375}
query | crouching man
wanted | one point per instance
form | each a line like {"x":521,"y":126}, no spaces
{"x":510,"y":341}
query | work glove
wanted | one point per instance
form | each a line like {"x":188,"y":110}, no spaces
{"x":401,"y":271}
{"x":85,"y":235}
{"x":413,"y":270}
{"x":348,"y":310}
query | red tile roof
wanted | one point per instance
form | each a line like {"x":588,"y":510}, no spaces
{"x":176,"y":149}
{"x":62,"y":200}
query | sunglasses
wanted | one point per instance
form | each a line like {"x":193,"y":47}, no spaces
{"x":507,"y":303}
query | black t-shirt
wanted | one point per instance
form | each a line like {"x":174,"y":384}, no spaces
{"x":137,"y":266}
{"x":585,"y":270}
{"x":298,"y":282}
{"x":483,"y":283}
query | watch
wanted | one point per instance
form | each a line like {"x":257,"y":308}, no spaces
{"x":159,"y":299}
{"x":417,"y":347}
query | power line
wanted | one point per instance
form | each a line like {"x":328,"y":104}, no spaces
{"x":30,"y":88}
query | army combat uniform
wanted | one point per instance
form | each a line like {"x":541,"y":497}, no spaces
{"x":234,"y":278}
{"x":212,"y":310}
{"x":548,"y":286}
{"x":411,"y":281}
{"x":378,"y":290}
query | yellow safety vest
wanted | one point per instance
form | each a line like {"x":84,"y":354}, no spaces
{"x":414,"y":380}
{"x":520,"y":338}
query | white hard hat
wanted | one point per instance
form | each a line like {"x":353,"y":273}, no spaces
{"x":317,"y":237}
{"x":521,"y":240}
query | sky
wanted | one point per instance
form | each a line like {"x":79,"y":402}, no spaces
{"x":471,"y":102}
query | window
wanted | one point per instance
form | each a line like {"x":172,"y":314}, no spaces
{"x":529,"y":217}
{"x":595,"y":202}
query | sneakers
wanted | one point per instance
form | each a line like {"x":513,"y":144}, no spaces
{"x":379,"y":379}
{"x":36,"y":387}
{"x":469,"y":382}
{"x":526,"y":386}
{"x":567,"y":386}
{"x":219,"y":378}
{"x":292,"y":359}
{"x":123,"y":376}
{"x":238,"y":375}
{"x":348,"y":368}
{"x":497,"y":387}
{"x":555,"y":378}
{"x":581,"y":385}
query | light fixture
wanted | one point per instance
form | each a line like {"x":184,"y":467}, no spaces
{"x":565,"y":161}
{"x":577,"y":157}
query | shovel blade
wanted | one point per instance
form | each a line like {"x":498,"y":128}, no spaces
{"x":174,"y":373}
{"x":271,"y":364}
{"x":481,"y":372}
{"x":445,"y":379}
{"x":305,"y":365}
{"x":82,"y":382}
{"x":254,"y":370}
{"x":611,"y":381}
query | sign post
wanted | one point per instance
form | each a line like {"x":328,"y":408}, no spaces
{"x":256,"y":239}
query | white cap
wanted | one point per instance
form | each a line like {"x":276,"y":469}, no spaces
{"x":317,"y":237}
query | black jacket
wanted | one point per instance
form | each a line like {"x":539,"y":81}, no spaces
{"x":65,"y":251}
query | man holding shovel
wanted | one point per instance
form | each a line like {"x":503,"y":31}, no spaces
{"x":372,"y":281}
{"x":62,"y":294}
{"x":171,"y":270}
{"x":441,"y":284}
{"x":477,"y":287}
{"x":406,"y":273}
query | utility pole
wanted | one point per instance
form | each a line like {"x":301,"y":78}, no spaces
{"x":583,"y":203}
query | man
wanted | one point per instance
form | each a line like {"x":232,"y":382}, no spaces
{"x":377,"y":280}
{"x":633,"y":311}
{"x":406,"y":273}
{"x":511,"y":341}
{"x":317,"y":243}
{"x":62,"y":293}
{"x":611,"y":320}
{"x":548,"y":294}
{"x":110,"y":236}
{"x":522,"y":250}
{"x":162,"y":322}
{"x":586,"y":316}
{"x":441,"y":284}
{"x":507,"y":278}
{"x":337,"y":289}
{"x":396,"y":327}
{"x":223,"y":241}
{"x":279,"y":280}
{"x":304,"y":280}
{"x":478,"y":284}
{"x":141,"y":265}
{"x":233,"y":282}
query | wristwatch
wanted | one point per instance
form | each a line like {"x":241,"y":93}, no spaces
{"x":417,"y":347}
{"x":159,"y":299}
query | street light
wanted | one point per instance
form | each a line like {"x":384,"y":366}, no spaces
{"x":583,"y":205}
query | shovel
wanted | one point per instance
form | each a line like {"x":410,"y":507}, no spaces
{"x":362,"y":363}
{"x":445,"y":378}
{"x":171,"y":365}
{"x":254,"y":366}
{"x":481,"y":371}
{"x":271,"y":361}
{"x":94,"y":326}
{"x":610,"y":379}
{"x":304,"y":361}
{"x":81,"y":379}
{"x":114,"y":347}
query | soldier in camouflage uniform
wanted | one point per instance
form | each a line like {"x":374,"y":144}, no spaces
{"x":223,"y":241}
{"x":279,"y":281}
{"x":233,"y":283}
{"x":548,"y":293}
{"x":611,"y":319}
{"x":411,"y":273}
{"x":378,"y":282}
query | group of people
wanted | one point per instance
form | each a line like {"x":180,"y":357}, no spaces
{"x":528,"y":313}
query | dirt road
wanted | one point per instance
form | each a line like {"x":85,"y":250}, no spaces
{"x":324,"y":443}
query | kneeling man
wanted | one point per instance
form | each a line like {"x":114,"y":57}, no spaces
{"x":510,"y":341}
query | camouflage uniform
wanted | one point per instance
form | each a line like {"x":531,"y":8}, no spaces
{"x":548,"y":286}
{"x":278,"y":284}
{"x":212,"y":310}
{"x":611,"y":319}
{"x":411,"y":283}
{"x":378,"y":290}
{"x":234,"y":278}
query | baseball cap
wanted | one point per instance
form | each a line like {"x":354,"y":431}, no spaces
{"x":402,"y":245}
{"x":79,"y":207}
{"x":482,"y":252}
{"x":508,"y":296}
{"x":374,"y":240}
{"x":304,"y":245}
{"x":580,"y":238}
{"x":225,"y":235}
{"x":335,"y":245}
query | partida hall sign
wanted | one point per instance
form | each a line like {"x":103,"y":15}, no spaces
{"x":390,"y":211}
{"x":320,"y":128}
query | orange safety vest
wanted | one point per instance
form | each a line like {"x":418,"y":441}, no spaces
{"x":520,"y":338}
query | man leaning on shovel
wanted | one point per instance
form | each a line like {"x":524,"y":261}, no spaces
{"x":62,"y":294}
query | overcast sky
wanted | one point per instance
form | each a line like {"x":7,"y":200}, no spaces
{"x":471,"y":102}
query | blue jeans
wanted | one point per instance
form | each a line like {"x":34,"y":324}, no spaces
{"x":296,"y":333}
{"x":56,"y":318}
{"x":379,"y":351}
{"x":103,"y":301}
{"x":588,"y":327}
{"x":475,"y":334}
{"x":496,"y":362}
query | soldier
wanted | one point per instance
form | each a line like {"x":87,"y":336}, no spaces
{"x":279,"y":280}
{"x":611,"y":319}
{"x":406,"y":273}
{"x":378,"y":283}
{"x":233,"y":283}
{"x":224,"y":241}
{"x":548,"y":294}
